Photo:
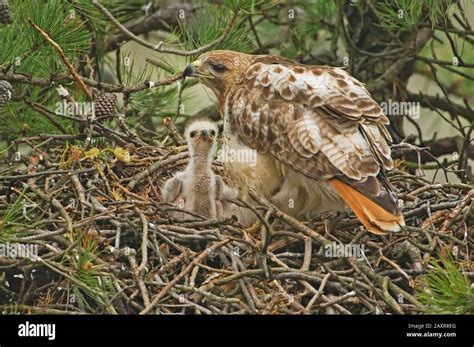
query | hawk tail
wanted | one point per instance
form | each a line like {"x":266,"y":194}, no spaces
{"x":373,"y":206}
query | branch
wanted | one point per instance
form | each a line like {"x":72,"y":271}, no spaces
{"x":433,"y":149}
{"x":162,"y":19}
{"x":187,"y":269}
{"x":158,"y":47}
{"x":436,"y":102}
{"x":71,"y":69}
{"x":112,"y":88}
{"x":396,"y":68}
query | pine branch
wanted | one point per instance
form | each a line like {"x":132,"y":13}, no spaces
{"x":107,"y":87}
{"x":71,"y":68}
{"x":163,"y":18}
{"x":158,"y":47}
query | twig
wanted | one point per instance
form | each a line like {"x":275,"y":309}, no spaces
{"x":144,"y":242}
{"x":158,"y":47}
{"x":337,"y":300}
{"x":71,"y":68}
{"x":175,"y":280}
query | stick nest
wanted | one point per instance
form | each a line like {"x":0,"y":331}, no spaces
{"x":106,"y":244}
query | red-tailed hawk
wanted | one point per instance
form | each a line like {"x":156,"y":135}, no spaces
{"x":318,"y":134}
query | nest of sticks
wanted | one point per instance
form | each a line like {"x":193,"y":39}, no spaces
{"x":105,"y":243}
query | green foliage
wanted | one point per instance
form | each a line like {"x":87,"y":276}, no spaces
{"x":246,"y":6}
{"x":318,"y":9}
{"x":445,"y":289}
{"x":209,"y":25}
{"x":91,"y":277}
{"x":123,"y":10}
{"x":19,"y":120}
{"x":156,"y":102}
{"x":89,"y":251}
{"x":18,"y":219}
{"x":131,"y":75}
{"x":304,"y":19}
{"x":301,"y":44}
{"x":27,"y":49}
{"x":27,"y":52}
{"x":11,"y":219}
{"x":407,"y":14}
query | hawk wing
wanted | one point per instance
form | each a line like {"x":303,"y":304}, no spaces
{"x":323,"y":123}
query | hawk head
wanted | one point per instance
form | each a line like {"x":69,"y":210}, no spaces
{"x":219,"y":70}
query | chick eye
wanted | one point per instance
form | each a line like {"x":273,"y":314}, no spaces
{"x":213,"y":133}
{"x":193,"y":133}
{"x":218,"y":67}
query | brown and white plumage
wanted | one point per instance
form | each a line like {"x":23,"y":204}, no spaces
{"x":316,"y":129}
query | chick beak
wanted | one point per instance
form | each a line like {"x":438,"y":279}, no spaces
{"x":204,"y":135}
{"x":192,"y":70}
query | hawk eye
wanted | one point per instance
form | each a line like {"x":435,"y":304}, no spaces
{"x":193,"y":133}
{"x":213,"y":133}
{"x":218,"y":67}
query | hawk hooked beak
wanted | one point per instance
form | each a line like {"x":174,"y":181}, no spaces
{"x":192,"y":70}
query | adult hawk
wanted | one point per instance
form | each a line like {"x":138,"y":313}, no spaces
{"x":320,"y":137}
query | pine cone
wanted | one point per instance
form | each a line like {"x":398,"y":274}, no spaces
{"x":105,"y":104}
{"x":5,"y":16}
{"x":5,"y":92}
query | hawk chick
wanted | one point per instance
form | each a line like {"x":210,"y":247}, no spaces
{"x":197,"y":188}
